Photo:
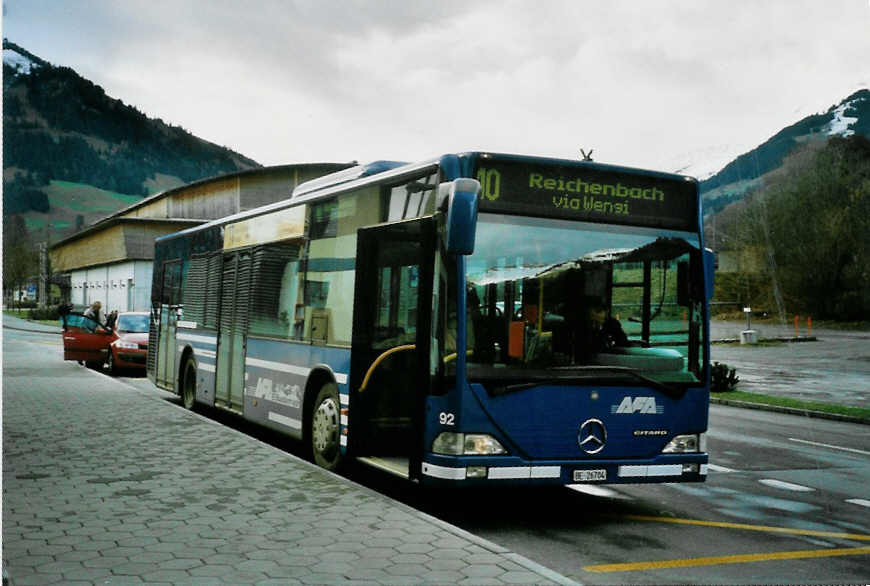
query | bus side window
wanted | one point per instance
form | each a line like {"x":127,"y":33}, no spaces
{"x":275,"y":289}
{"x":330,"y":265}
{"x":411,"y":199}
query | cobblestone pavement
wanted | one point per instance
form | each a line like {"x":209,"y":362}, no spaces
{"x":103,"y":483}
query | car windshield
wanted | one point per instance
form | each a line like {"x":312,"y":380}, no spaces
{"x":133,"y":322}
{"x":556,"y":298}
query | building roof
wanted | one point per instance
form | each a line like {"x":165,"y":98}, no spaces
{"x":121,"y":215}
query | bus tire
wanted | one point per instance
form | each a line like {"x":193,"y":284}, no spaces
{"x":188,"y":385}
{"x":324,"y":435}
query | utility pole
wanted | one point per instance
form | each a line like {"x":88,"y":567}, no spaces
{"x":42,"y":279}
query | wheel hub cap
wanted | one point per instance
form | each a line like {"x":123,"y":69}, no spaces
{"x":324,"y":430}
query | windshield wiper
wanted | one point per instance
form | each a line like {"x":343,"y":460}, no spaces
{"x":587,"y":372}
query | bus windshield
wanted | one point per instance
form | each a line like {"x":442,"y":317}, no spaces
{"x":554,"y":298}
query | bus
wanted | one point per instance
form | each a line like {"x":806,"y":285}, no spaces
{"x":470,"y":320}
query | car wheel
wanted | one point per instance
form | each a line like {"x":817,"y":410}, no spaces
{"x":325,"y":428}
{"x":188,"y":385}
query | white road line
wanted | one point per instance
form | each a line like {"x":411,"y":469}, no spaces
{"x":785,"y":485}
{"x":853,"y":450}
{"x":717,"y":468}
{"x":862,"y":502}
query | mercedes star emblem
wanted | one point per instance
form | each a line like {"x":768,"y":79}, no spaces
{"x":593,"y":436}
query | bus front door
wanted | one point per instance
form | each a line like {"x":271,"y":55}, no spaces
{"x":390,"y":374}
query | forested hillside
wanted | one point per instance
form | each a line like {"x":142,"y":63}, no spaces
{"x":802,"y":239}
{"x":63,"y":135}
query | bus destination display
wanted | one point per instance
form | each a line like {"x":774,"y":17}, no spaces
{"x":587,"y":193}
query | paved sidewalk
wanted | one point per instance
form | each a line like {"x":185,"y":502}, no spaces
{"x":103,"y":483}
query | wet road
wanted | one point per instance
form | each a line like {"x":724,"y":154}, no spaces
{"x":834,"y":369}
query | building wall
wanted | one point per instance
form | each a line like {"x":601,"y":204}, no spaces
{"x":159,"y":208}
{"x":96,"y":249}
{"x":211,"y":201}
{"x":142,"y":287}
{"x":125,"y":286}
{"x":273,"y":185}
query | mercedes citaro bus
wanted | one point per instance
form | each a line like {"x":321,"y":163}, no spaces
{"x":474,"y":319}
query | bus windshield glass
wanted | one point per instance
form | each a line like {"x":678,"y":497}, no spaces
{"x":555,"y":298}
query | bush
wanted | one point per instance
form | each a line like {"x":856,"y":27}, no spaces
{"x":44,"y":313}
{"x":22,"y":304}
{"x":723,"y":379}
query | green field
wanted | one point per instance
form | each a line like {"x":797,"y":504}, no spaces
{"x":69,"y":200}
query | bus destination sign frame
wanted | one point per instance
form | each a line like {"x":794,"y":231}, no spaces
{"x":588,"y":193}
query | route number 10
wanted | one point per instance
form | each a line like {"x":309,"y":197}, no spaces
{"x":490,"y":183}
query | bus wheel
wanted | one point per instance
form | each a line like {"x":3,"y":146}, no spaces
{"x":325,"y":429}
{"x":188,"y":384}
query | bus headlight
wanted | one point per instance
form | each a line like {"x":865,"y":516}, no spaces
{"x":466,"y":444}
{"x":682,"y":444}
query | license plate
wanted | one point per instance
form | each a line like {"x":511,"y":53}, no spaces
{"x":590,"y":475}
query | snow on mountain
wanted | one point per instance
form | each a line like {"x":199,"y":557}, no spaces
{"x":840,"y":124}
{"x":20,"y":63}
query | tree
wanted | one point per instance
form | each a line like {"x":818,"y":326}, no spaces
{"x":811,"y":222}
{"x":20,"y":256}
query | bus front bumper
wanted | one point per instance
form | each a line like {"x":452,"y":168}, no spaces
{"x":475,"y":471}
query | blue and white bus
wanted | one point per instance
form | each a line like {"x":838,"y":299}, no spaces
{"x":474,"y":319}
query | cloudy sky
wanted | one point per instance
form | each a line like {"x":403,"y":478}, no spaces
{"x":660,"y":84}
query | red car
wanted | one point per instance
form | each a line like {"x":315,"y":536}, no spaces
{"x":123,"y":345}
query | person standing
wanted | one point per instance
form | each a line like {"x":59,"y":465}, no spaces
{"x":95,"y":312}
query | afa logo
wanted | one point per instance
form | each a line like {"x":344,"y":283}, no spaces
{"x":642,"y":405}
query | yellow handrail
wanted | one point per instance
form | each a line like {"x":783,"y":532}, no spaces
{"x":452,"y":356}
{"x":380,"y":359}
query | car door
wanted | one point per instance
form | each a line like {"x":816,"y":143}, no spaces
{"x":84,"y":339}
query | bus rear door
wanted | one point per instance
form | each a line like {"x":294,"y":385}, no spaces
{"x":390,"y":374}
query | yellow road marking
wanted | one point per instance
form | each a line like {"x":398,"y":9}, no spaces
{"x":740,"y":558}
{"x":728,"y":559}
{"x":745,"y":527}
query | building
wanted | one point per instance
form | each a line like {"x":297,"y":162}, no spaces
{"x":111,"y":260}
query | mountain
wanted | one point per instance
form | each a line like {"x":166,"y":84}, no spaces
{"x":72,"y":154}
{"x":744,"y":174}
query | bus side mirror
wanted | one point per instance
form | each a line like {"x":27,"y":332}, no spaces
{"x":709,"y":271}
{"x":462,"y":215}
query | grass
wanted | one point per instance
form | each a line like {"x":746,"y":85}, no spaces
{"x":860,"y":412}
{"x":66,"y":192}
{"x":25,"y":313}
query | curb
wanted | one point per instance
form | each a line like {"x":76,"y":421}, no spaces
{"x":787,"y":339}
{"x":789,"y":410}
